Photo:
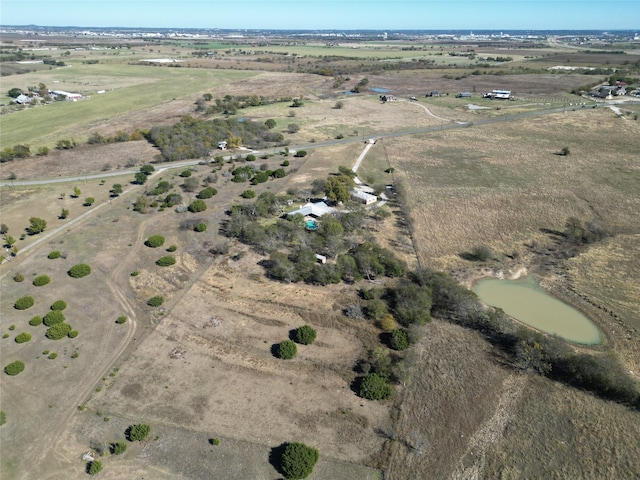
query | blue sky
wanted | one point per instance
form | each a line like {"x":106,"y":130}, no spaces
{"x":328,"y":14}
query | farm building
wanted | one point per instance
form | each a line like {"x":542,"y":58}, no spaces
{"x":317,"y":210}
{"x":74,"y":97}
{"x":464,"y":95}
{"x":363,"y":197}
{"x":23,"y":99}
{"x":433,"y":93}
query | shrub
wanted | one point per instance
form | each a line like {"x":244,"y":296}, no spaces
{"x":52,"y":356}
{"x":72,"y":334}
{"x":207,"y":193}
{"x":35,"y":321}
{"x":24,"y":303}
{"x":138,"y":432}
{"x":80,"y":270}
{"x":121,"y":320}
{"x":23,"y":337}
{"x":172,"y":248}
{"x":286,"y":163}
{"x":18,"y":277}
{"x":200,"y":227}
{"x":14,"y":368}
{"x":248,"y":194}
{"x":166,"y":261}
{"x":197,"y":206}
{"x":59,"y":305}
{"x":286,"y":350}
{"x":399,"y":339}
{"x":94,"y":467}
{"x":12,"y":327}
{"x":89,"y":201}
{"x":305,"y":335}
{"x":387,"y":323}
{"x":53,"y":317}
{"x":374,"y":387}
{"x":185,"y":173}
{"x":155,"y":301}
{"x":41,"y":280}
{"x":214,"y":441}
{"x":36,"y":226}
{"x":300,"y":154}
{"x":53,"y":255}
{"x":298,"y":460}
{"x":118,"y":448}
{"x":58,"y":331}
{"x":135,"y":273}
{"x":155,"y":241}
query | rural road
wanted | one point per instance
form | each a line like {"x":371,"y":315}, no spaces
{"x":309,"y":146}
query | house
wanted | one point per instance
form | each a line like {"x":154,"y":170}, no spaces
{"x":23,"y":99}
{"x":222,"y":145}
{"x":363,"y":197}
{"x":433,"y":93}
{"x":464,"y":95}
{"x":316,"y":210}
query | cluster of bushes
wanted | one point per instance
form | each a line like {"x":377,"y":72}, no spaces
{"x":120,"y":136}
{"x":138,"y":432}
{"x":166,"y":261}
{"x":255,"y":175}
{"x":54,"y":254}
{"x":287,"y":349}
{"x":207,"y":192}
{"x":17,"y":151}
{"x":229,"y":105}
{"x":155,"y":301}
{"x":195,"y":138}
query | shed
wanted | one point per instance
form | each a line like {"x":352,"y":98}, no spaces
{"x":363,"y":197}
{"x":464,"y":95}
{"x":321,"y":258}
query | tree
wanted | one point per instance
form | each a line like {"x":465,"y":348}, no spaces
{"x":138,"y":432}
{"x":339,"y":105}
{"x":15,"y":92}
{"x":336,"y":190}
{"x":14,"y":368}
{"x":565,"y":151}
{"x":4,"y":229}
{"x":298,"y":460}
{"x":293,"y":128}
{"x":270,"y":123}
{"x":147,"y":169}
{"x":36,"y":225}
{"x":375,"y":387}
{"x":140,"y":178}
{"x":207,"y":192}
{"x":76,"y":192}
{"x":116,"y":190}
{"x":89,"y":201}
{"x":305,"y":335}
{"x":64,"y":213}
{"x":286,"y":350}
{"x":9,"y":241}
{"x":190,"y":184}
{"x":200,"y":227}
{"x":118,"y":448}
{"x":399,"y":339}
{"x":94,"y":467}
{"x":297,"y":102}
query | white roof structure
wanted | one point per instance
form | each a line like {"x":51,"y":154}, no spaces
{"x":363,"y":197}
{"x":316,"y":209}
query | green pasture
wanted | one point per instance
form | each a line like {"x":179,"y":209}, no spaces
{"x":128,"y":88}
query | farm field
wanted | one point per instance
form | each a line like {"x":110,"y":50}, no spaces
{"x":202,"y":365}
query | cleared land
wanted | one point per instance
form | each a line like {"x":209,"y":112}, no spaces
{"x":201,"y":366}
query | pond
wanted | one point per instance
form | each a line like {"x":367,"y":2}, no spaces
{"x":527,"y":302}
{"x":379,"y":90}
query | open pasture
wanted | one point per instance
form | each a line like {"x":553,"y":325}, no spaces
{"x":500,"y":184}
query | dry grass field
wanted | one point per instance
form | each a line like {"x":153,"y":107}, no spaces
{"x":201,"y":366}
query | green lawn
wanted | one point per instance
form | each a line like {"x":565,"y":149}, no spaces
{"x":129,"y":88}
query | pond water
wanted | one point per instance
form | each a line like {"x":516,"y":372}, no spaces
{"x":379,"y":90}
{"x":527,"y":302}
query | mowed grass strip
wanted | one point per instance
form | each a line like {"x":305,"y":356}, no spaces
{"x":152,"y":86}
